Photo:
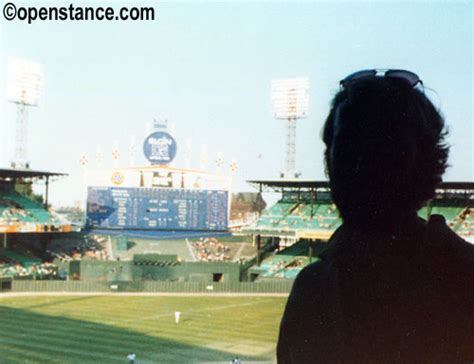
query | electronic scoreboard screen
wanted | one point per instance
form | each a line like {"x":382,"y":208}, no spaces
{"x":156,"y":208}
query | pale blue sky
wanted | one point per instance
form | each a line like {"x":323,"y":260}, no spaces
{"x":207,"y":68}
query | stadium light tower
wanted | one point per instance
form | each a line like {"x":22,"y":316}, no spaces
{"x":290,"y":99}
{"x":24,"y":88}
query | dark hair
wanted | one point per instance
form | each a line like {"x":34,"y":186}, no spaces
{"x":385,"y":149}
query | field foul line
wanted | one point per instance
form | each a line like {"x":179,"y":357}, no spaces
{"x":188,"y":244}
{"x":237,"y":255}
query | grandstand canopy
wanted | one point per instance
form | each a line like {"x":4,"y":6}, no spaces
{"x":462,"y":191}
{"x":280,"y":185}
{"x":12,"y":173}
{"x":456,"y":186}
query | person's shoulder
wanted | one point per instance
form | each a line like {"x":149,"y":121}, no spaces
{"x":314,"y":280}
{"x":312,"y":271}
{"x":325,"y":267}
{"x":315,"y":271}
{"x":441,"y":237}
{"x":451,"y":257}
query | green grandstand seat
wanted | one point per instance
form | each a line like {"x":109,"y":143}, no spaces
{"x":450,"y":213}
{"x":35,"y":212}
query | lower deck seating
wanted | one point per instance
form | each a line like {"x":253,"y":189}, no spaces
{"x":286,"y":263}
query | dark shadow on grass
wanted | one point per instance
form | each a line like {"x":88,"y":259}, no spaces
{"x":37,"y":338}
{"x":59,"y":301}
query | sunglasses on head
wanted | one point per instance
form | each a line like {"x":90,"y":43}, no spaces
{"x":410,"y":77}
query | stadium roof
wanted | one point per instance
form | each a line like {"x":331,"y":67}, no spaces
{"x":456,"y":186}
{"x":283,"y":184}
{"x":12,"y":173}
{"x":279,"y":185}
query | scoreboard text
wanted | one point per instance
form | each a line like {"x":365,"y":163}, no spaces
{"x":156,"y":208}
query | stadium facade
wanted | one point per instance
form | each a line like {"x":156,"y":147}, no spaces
{"x":161,"y":223}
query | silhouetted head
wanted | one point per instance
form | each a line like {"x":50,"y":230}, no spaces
{"x":385,"y":151}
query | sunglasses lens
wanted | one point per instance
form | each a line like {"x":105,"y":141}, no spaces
{"x":411,"y":77}
{"x":408,"y":76}
{"x":357,"y":75}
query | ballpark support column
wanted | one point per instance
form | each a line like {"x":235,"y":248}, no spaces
{"x":20,"y":153}
{"x":291,"y":148}
{"x":24,"y":88}
{"x":46,"y":193}
{"x":290,"y":99}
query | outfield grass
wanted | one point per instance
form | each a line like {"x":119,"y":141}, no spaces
{"x":103,"y":329}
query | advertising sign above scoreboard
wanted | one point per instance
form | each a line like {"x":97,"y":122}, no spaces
{"x":160,"y":148}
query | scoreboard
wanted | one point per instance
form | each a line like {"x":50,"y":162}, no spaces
{"x":156,"y":208}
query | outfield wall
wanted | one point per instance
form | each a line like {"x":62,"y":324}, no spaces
{"x":151,"y":286}
{"x":202,"y":272}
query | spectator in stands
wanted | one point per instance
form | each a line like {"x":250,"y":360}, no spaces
{"x":391,"y":287}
